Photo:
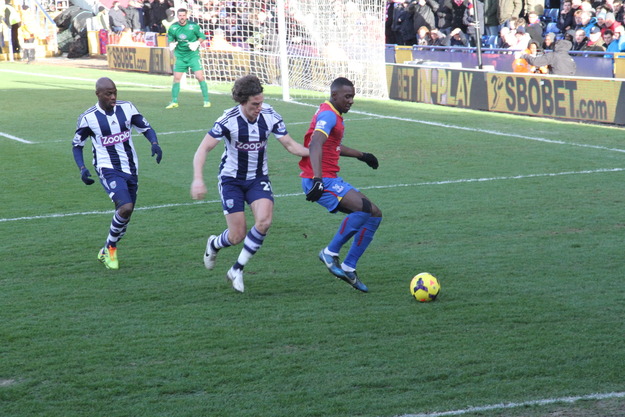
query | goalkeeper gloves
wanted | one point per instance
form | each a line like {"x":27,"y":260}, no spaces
{"x":194,"y":45}
{"x":316,"y":191}
{"x":369,"y":159}
{"x":156,"y":150}
{"x":173,"y":45}
{"x":85,"y":176}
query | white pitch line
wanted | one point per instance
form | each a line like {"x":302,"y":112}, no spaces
{"x":371,"y":115}
{"x":494,"y":132}
{"x":503,"y":406}
{"x":180,"y":132}
{"x":474,"y":129}
{"x":371,"y":187}
{"x":6,"y":135}
{"x":62,"y":77}
{"x":515,"y":177}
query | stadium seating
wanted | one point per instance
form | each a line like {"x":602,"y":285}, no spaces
{"x":553,"y":14}
{"x":489,"y":41}
{"x":552,"y":27}
{"x":550,"y":15}
{"x":546,"y":17}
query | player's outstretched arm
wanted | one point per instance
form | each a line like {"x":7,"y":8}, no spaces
{"x":350,"y":152}
{"x":198,"y":188}
{"x":367,"y":158}
{"x":293,"y":146}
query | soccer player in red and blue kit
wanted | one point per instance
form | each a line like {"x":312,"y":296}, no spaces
{"x":321,"y":183}
{"x":109,"y":125}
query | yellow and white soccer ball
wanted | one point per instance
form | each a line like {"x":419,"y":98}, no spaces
{"x":425,"y":287}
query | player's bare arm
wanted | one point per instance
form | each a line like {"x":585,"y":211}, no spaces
{"x":198,"y":188}
{"x":315,"y":148}
{"x":293,"y":146}
{"x":350,"y":152}
{"x":367,"y":158}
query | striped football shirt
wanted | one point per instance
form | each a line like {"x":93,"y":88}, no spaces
{"x":245,"y":154}
{"x":111,"y":137}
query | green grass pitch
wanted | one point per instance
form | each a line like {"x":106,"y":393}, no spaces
{"x":521,"y":219}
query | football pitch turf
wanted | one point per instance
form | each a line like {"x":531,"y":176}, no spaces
{"x":521,"y":219}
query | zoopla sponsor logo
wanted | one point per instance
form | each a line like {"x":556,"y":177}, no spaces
{"x":112,"y":140}
{"x":250,"y":146}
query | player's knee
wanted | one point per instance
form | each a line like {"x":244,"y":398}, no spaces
{"x":126,"y":210}
{"x":236,"y":236}
{"x":366,"y":206}
{"x":263,"y":225}
{"x":369,"y":207}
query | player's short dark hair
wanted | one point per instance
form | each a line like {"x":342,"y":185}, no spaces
{"x":181,"y":10}
{"x":246,"y":87}
{"x":340,"y":82}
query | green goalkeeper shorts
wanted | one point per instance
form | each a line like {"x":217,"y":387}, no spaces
{"x":183,"y":63}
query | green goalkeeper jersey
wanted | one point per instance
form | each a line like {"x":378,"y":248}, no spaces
{"x":190,"y":32}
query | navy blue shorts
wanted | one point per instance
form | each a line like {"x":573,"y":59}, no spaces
{"x":235,"y":193}
{"x":120,"y":187}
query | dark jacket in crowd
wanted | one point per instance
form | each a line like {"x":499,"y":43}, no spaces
{"x":474,"y":12}
{"x":559,"y":61}
{"x":424,"y":15}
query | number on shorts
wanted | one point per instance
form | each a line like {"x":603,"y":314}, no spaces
{"x":266,"y":185}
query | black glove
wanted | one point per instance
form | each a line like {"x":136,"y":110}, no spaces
{"x":316,"y":191}
{"x":369,"y":159}
{"x":85,"y":176}
{"x":156,"y":150}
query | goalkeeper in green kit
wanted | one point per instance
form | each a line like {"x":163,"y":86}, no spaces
{"x":184,"y":39}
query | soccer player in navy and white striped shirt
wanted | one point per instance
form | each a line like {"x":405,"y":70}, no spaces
{"x":109,"y":124}
{"x":243,"y":173}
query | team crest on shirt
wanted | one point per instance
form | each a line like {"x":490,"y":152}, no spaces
{"x":230,"y":203}
{"x":217,"y":129}
{"x":128,"y":124}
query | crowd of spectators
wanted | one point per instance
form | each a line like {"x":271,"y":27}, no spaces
{"x":592,"y":26}
{"x":137,"y":16}
{"x":235,"y":22}
{"x":235,"y":19}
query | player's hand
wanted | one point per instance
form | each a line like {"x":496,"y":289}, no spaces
{"x":85,"y":176}
{"x":316,"y":191}
{"x":198,"y":190}
{"x":156,"y":150}
{"x":369,"y":159}
{"x":172,"y":45}
{"x":194,"y":45}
